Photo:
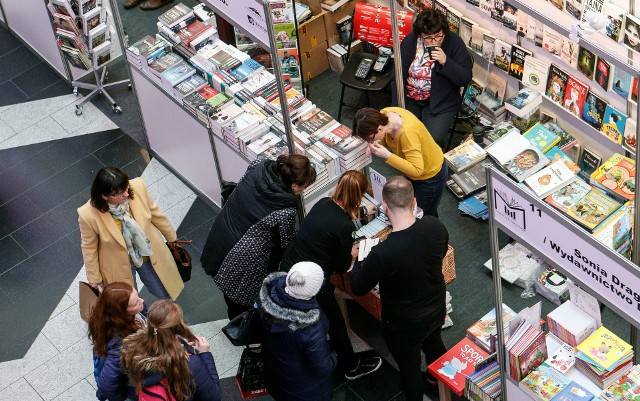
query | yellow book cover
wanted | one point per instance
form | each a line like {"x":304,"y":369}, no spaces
{"x":604,"y":347}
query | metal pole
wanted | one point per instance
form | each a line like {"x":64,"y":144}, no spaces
{"x":277,"y":70}
{"x":397,"y":61}
{"x":495,"y":262}
{"x":295,"y":26}
{"x":635,"y":255}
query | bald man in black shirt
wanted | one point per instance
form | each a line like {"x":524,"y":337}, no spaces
{"x":408,"y":266}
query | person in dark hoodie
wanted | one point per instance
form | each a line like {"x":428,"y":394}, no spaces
{"x":297,"y":360}
{"x":115,"y":316}
{"x":248,"y":236}
{"x":167,"y":350}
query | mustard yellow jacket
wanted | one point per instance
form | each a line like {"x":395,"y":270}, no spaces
{"x":105,"y":253}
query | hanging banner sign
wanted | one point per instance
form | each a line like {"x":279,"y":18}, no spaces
{"x":246,"y":14}
{"x":615,"y":279}
{"x":373,"y":24}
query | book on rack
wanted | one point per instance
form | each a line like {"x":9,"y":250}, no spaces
{"x":574,"y":96}
{"x":518,"y":55}
{"x":551,"y":41}
{"x":454,"y":19}
{"x":76,"y":57}
{"x":92,"y":19}
{"x":343,"y":26}
{"x":101,"y":54}
{"x":480,"y":332}
{"x":281,"y":11}
{"x":441,"y":6}
{"x":605,"y":349}
{"x":542,"y":137}
{"x":574,"y":8}
{"x":464,"y":156}
{"x":491,"y":107}
{"x":603,"y":74}
{"x":477,"y":37}
{"x":569,"y":52}
{"x":65,"y":22}
{"x":589,"y":161}
{"x":613,"y":124}
{"x":552,"y":285}
{"x":593,"y":209}
{"x":629,"y":142}
{"x":466,"y":30}
{"x":569,"y":195}
{"x":97,"y":36}
{"x":632,"y":23}
{"x":594,"y":110}
{"x":496,"y":86}
{"x":616,"y":176}
{"x":621,"y":82}
{"x":488,"y":47}
{"x":523,"y":102}
{"x":285,"y":35}
{"x":497,"y":10}
{"x":486,"y":6}
{"x":559,"y":4}
{"x":510,"y":15}
{"x":544,"y":383}
{"x":596,"y":6}
{"x":586,"y":62}
{"x":574,"y":392}
{"x":457,"y":363}
{"x":556,"y":84}
{"x":470,"y":97}
{"x":535,"y":73}
{"x":62,"y":7}
{"x":175,"y":15}
{"x":550,"y":179}
{"x":570,"y":323}
{"x":82,"y":7}
{"x":566,"y":139}
{"x":526,"y":349}
{"x":69,"y":39}
{"x":517,"y":155}
{"x":484,"y":384}
{"x":502,"y":55}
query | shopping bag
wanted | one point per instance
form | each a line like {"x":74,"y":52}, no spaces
{"x":87,"y":300}
{"x":244,"y":329}
{"x":182,"y":258}
{"x":250,"y":376}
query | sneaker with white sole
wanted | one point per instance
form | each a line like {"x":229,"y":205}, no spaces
{"x":365,"y":367}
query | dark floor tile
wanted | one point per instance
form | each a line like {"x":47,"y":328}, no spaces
{"x":372,"y":387}
{"x":23,"y":177}
{"x":120,"y":152}
{"x":198,"y":235}
{"x":11,"y":94}
{"x":199,"y":213}
{"x":16,"y":213}
{"x":48,"y":269}
{"x":65,"y":152}
{"x":36,"y":79}
{"x":66,"y":184}
{"x":207,"y":311}
{"x":345,"y":393}
{"x":11,"y":252}
{"x":16,"y":62}
{"x":12,"y":157}
{"x":8,"y":42}
{"x":136,"y":167}
{"x":74,"y":237}
{"x":59,"y":88}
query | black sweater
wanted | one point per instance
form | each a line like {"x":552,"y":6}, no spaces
{"x":408,"y":266}
{"x":325,"y":237}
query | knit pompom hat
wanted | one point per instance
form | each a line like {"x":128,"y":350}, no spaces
{"x":304,"y":280}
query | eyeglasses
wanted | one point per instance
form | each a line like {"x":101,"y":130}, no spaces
{"x":432,"y":38}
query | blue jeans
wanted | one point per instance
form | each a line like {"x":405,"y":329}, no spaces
{"x":437,"y":124}
{"x":150,"y":278}
{"x":429,"y":192}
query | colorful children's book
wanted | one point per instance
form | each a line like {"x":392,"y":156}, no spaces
{"x":542,"y":137}
{"x":574,"y":392}
{"x":619,"y":180}
{"x":551,"y":178}
{"x":455,"y":365}
{"x":604,"y":347}
{"x":569,"y":52}
{"x":555,"y":154}
{"x":593,"y":209}
{"x":593,"y":111}
{"x":615,"y":16}
{"x":613,"y":124}
{"x":544,"y":383}
{"x":556,"y":84}
{"x":574,"y":96}
{"x":574,"y":8}
{"x":503,"y":55}
{"x":621,"y":82}
{"x":563,"y":359}
{"x":588,"y":163}
{"x":569,"y":195}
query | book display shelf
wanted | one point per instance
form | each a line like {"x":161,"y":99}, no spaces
{"x":243,"y":112}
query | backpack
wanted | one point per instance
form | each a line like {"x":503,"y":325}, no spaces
{"x":157,"y":392}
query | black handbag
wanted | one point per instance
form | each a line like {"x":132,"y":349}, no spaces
{"x":181,"y":257}
{"x":244,"y":329}
{"x":250,"y":376}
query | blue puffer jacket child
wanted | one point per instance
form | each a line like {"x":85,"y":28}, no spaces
{"x":297,"y":360}
{"x":113,"y":384}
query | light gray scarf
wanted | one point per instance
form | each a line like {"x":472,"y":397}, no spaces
{"x":137,"y":242}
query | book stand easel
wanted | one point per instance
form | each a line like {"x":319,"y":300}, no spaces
{"x":98,"y":88}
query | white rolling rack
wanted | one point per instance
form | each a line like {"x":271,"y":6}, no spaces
{"x":83,"y":32}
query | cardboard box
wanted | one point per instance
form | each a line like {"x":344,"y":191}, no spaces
{"x":314,"y":62}
{"x":312,"y":32}
{"x":330,"y":19}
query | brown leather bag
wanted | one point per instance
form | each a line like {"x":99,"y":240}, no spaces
{"x":182,"y":258}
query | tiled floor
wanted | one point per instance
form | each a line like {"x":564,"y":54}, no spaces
{"x":48,"y":158}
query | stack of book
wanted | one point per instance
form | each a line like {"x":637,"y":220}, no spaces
{"x":482,"y":331}
{"x":570,"y":324}
{"x":188,"y":86}
{"x":524,"y":108}
{"x":474,"y":207}
{"x":604,"y":357}
{"x":526,"y":349}
{"x":470,"y":181}
{"x":269,"y":144}
{"x":455,"y":365}
{"x":238,"y":126}
{"x":499,"y":130}
{"x":484,"y":383}
{"x":464,"y":156}
{"x":337,"y":56}
{"x":491,"y":108}
{"x":146,"y":50}
{"x":176,"y":74}
{"x":224,"y":116}
{"x":625,"y":388}
{"x":162,"y":64}
{"x":617,"y":177}
{"x":204,"y":101}
{"x":544,"y":383}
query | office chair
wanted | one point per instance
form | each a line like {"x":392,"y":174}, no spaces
{"x":461,"y":116}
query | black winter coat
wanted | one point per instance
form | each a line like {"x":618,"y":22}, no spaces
{"x":248,"y":236}
{"x":446,"y":80}
{"x":113,"y":384}
{"x":297,"y":360}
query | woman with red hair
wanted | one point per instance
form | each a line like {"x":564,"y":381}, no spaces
{"x":115,"y":316}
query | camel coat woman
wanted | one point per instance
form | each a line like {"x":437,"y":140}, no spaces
{"x":104,"y":250}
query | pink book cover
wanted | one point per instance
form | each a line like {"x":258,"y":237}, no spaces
{"x":574,"y":96}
